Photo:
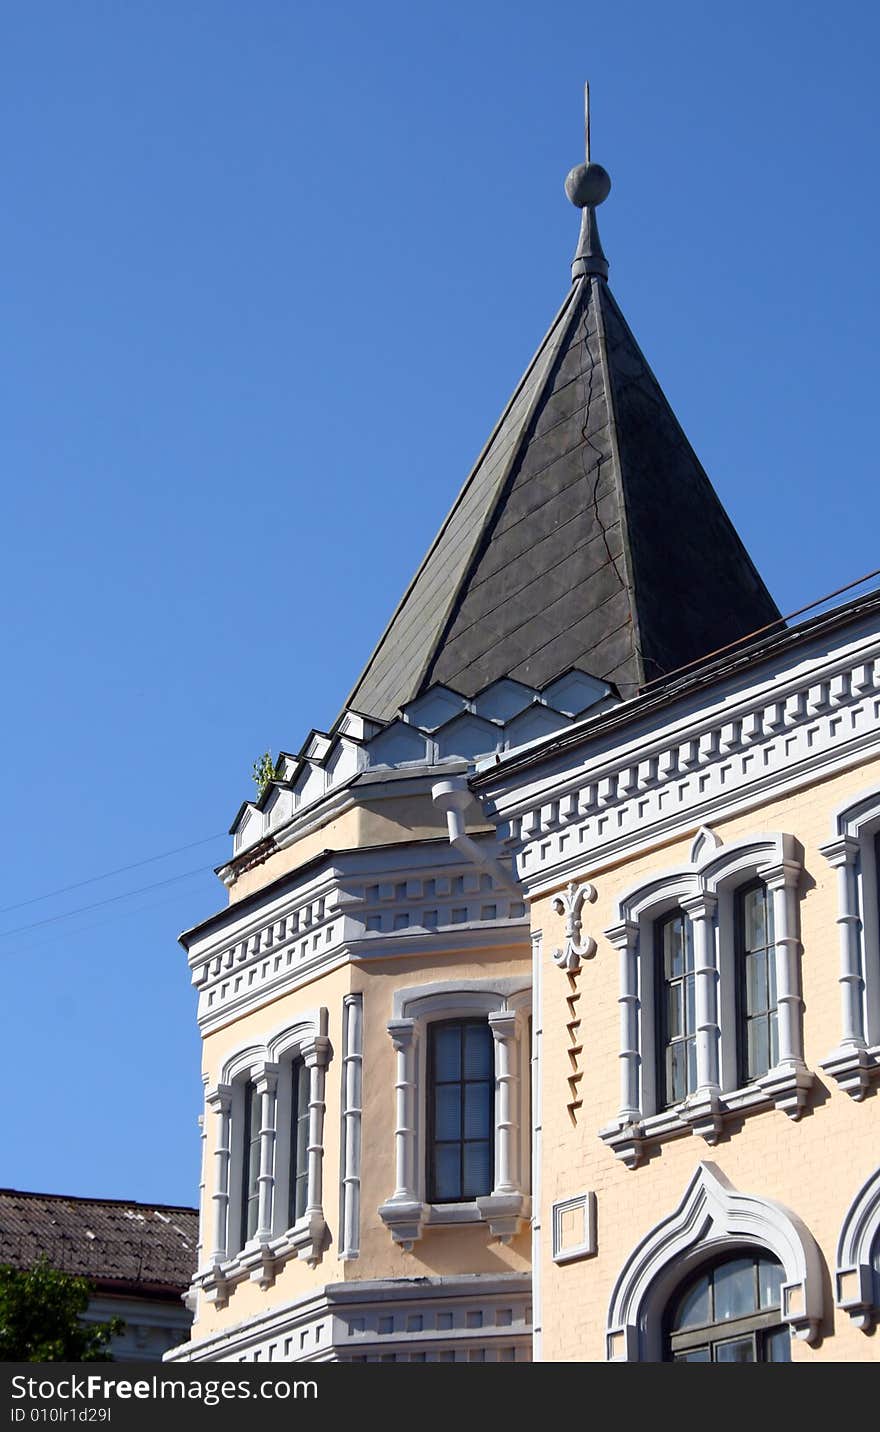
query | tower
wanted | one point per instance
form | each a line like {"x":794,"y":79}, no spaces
{"x":365,"y":998}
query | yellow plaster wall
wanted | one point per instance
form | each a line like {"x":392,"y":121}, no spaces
{"x":464,"y":1249}
{"x":389,"y":821}
{"x":441,"y":1250}
{"x":296,"y":1278}
{"x":814,"y":1166}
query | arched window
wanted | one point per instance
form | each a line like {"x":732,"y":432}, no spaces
{"x":730,"y":1311}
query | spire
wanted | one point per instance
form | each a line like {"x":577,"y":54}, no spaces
{"x":587,"y":536}
{"x":587,"y":186}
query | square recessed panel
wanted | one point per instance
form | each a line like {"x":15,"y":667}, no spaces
{"x":574,"y":1228}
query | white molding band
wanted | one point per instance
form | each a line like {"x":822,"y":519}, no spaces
{"x":705,"y":890}
{"x":857,"y":1273}
{"x":855,"y":1063}
{"x":712,"y":1218}
{"x":352,"y":1114}
{"x":762,"y":735}
{"x":476,"y":1317}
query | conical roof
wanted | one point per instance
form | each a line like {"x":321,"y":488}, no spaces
{"x":587,"y":534}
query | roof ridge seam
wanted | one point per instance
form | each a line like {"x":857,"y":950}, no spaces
{"x":557,"y":327}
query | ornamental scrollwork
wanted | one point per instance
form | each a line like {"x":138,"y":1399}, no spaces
{"x":570,"y":905}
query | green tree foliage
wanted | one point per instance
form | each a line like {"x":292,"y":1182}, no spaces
{"x":40,"y":1311}
{"x":264,"y":772}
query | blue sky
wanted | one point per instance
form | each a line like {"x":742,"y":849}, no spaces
{"x":269,"y":273}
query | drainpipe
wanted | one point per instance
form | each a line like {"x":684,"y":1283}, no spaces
{"x":453,"y":796}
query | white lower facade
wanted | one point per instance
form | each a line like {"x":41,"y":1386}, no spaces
{"x":471,"y":1318}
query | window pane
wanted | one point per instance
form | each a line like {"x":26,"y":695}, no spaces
{"x":672,"y":958}
{"x":688,"y":942}
{"x":696,"y":1354}
{"x":675,"y":1073}
{"x":477,"y":1111}
{"x":447,"y":1172}
{"x":477,"y":1170}
{"x":675,"y":1011}
{"x":447,"y":1051}
{"x":447,"y":1111}
{"x":738,"y":1350}
{"x":756,"y":983}
{"x":691,"y":1066}
{"x":769,"y":1284}
{"x":777,"y":1346}
{"x":758,"y":1054}
{"x":774,"y":1040}
{"x":693,"y":1310}
{"x":754,"y":917}
{"x":735,"y":1290}
{"x":478,"y":1051}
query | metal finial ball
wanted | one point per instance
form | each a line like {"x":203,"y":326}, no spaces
{"x":587,"y":185}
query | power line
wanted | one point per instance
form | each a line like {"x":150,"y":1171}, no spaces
{"x":109,"y":900}
{"x":108,"y":874}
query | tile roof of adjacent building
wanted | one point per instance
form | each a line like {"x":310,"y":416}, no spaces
{"x":113,"y":1242}
{"x":587,"y":534}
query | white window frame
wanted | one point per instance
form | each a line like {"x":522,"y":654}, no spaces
{"x":713,"y":1218}
{"x":706,"y":890}
{"x":855,"y":1062}
{"x":270,"y":1066}
{"x":857,"y":1271}
{"x":506,"y":1004}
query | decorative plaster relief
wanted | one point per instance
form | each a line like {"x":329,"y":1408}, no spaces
{"x":570,"y":905}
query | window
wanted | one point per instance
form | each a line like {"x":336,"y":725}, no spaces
{"x":250,"y":1148}
{"x":723,"y":1267}
{"x":756,"y":982}
{"x":677,"y":1071}
{"x":462,"y":1108}
{"x":730,"y":1312}
{"x":461,"y":1089}
{"x":268,"y":1134}
{"x":298,"y":1174}
{"x":718,"y":936}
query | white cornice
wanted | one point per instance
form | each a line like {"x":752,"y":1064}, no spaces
{"x":783,"y":729}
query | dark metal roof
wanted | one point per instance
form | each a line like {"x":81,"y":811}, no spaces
{"x":139,"y":1245}
{"x":587,"y":535}
{"x":749,"y":654}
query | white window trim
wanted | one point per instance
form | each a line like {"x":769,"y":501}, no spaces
{"x":506,"y":1003}
{"x":856,"y":1275}
{"x":855,"y":1063}
{"x":712,"y":1218}
{"x":706,"y":890}
{"x":272,"y":1245}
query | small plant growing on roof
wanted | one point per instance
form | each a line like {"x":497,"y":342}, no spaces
{"x":264,"y":772}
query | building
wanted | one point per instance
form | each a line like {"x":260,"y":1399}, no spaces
{"x":521,"y":1028}
{"x":138,"y":1257}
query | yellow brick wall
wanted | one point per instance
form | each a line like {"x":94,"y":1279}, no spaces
{"x":815,"y":1166}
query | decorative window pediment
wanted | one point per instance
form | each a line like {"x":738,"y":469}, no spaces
{"x":857,"y":1274}
{"x":713,"y":1218}
{"x":698,"y":904}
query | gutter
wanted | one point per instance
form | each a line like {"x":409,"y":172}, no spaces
{"x":452,"y":796}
